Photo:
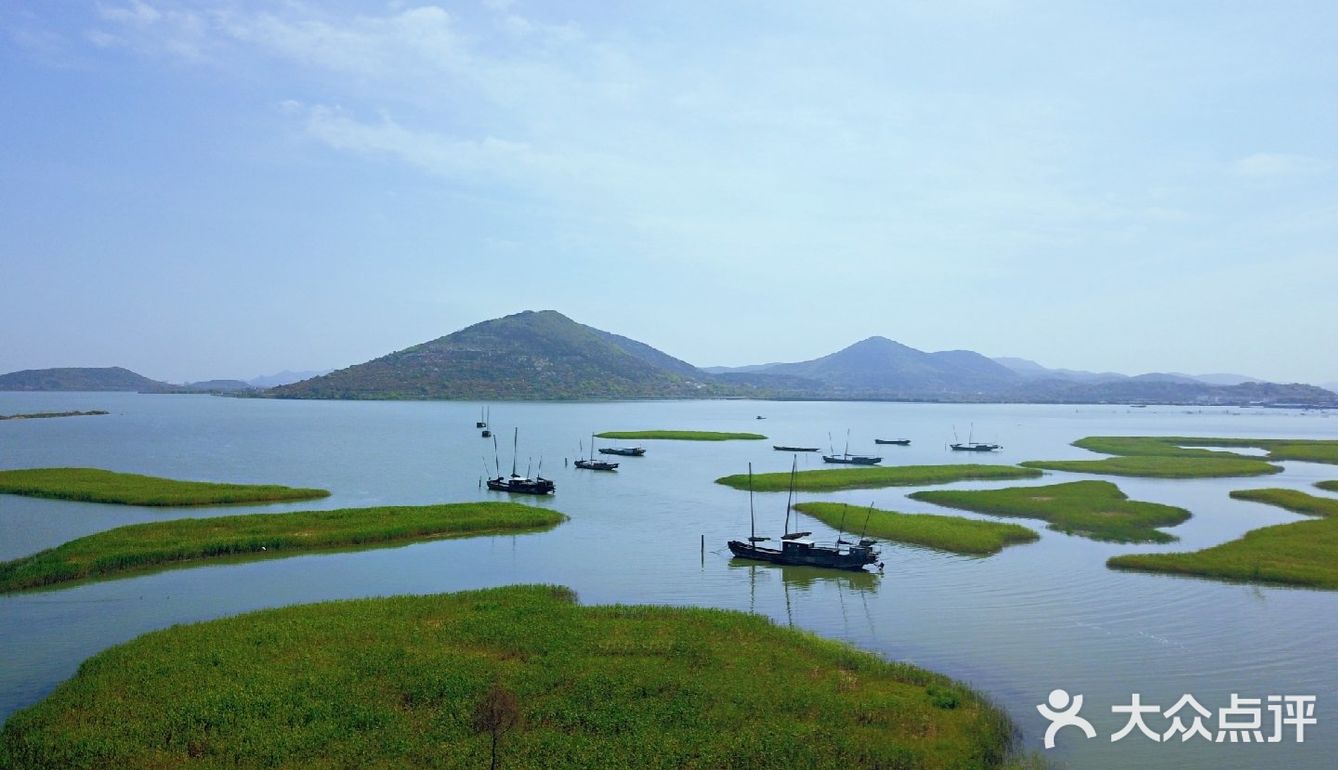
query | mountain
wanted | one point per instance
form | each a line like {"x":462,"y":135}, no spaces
{"x":529,"y":355}
{"x":216,"y":386}
{"x":283,"y":378}
{"x":1033,"y":370}
{"x":80,"y":378}
{"x":878,"y":366}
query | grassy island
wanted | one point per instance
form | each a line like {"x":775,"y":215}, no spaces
{"x":1327,"y":486}
{"x":402,"y":681}
{"x":874,"y":477}
{"x":945,"y":533}
{"x":94,"y":485}
{"x":1182,"y":457}
{"x":189,"y":542}
{"x":1095,"y":509}
{"x":44,"y":415}
{"x":679,"y":435}
{"x":1303,"y":553}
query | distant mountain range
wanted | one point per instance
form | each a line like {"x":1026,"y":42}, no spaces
{"x":545,"y":355}
{"x":1033,"y":370}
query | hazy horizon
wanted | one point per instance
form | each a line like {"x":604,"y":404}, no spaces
{"x":201,"y":190}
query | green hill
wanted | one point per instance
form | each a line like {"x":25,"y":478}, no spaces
{"x":80,"y":378}
{"x":529,"y":355}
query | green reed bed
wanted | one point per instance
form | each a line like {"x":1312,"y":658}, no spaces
{"x":95,"y":485}
{"x":874,"y":477}
{"x":1327,"y":486}
{"x":1190,"y":456}
{"x":1303,"y":553}
{"x":47,"y":415}
{"x":398,"y":682}
{"x":955,"y":534}
{"x":1093,"y":509}
{"x":1160,"y":467}
{"x":189,"y":542}
{"x":679,"y":435}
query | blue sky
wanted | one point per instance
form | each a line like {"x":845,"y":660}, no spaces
{"x":225,"y":189}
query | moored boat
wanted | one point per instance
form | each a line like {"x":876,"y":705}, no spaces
{"x":780,"y":448}
{"x":623,"y":451}
{"x":796,"y":548}
{"x":896,"y":441}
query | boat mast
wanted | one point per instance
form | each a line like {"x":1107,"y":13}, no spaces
{"x":496,"y":461}
{"x":515,"y":448}
{"x":794,"y":468}
{"x":847,"y":444}
{"x":752,"y":517}
{"x":866,"y":522}
{"x":844,"y":509}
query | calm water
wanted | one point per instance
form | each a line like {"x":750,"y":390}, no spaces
{"x":1015,"y":625}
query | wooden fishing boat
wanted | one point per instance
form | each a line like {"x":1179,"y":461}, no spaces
{"x":796,"y":548}
{"x":591,"y":464}
{"x":896,"y":441}
{"x":517,"y":483}
{"x":780,"y":448}
{"x":623,"y":451}
{"x":846,"y":458}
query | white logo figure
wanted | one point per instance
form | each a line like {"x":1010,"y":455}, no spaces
{"x":1063,"y":712}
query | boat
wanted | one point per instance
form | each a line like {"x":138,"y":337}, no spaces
{"x":517,"y":483}
{"x":897,"y":441}
{"x":846,"y":458}
{"x":971,"y":445}
{"x":483,"y":422}
{"x":796,"y":548}
{"x":780,"y":448}
{"x":592,"y":464}
{"x":623,"y":451}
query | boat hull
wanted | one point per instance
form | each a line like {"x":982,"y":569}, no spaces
{"x":894,"y":441}
{"x":798,"y":554}
{"x":635,"y":452}
{"x":851,"y":460}
{"x":975,"y":447}
{"x":522,"y":486}
{"x":596,"y":465}
{"x":794,"y":448}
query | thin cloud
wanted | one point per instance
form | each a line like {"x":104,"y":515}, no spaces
{"x":1272,"y":165}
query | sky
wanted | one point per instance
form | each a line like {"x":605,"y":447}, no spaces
{"x":200,"y":190}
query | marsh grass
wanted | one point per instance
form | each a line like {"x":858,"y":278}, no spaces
{"x":1183,"y":457}
{"x":95,"y":485}
{"x":956,"y":534}
{"x":1093,"y":509}
{"x":45,"y":415}
{"x":679,"y":435}
{"x":190,"y":542}
{"x":1303,"y":553}
{"x":394,"y":682}
{"x":1327,"y":486}
{"x":875,"y":477}
{"x":1160,"y":467}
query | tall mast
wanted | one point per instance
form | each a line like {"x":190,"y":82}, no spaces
{"x":515,"y":447}
{"x":847,"y":443}
{"x":752,"y":517}
{"x":496,"y":461}
{"x":794,"y":467}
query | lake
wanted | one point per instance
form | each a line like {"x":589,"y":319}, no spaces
{"x":1015,"y":625}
